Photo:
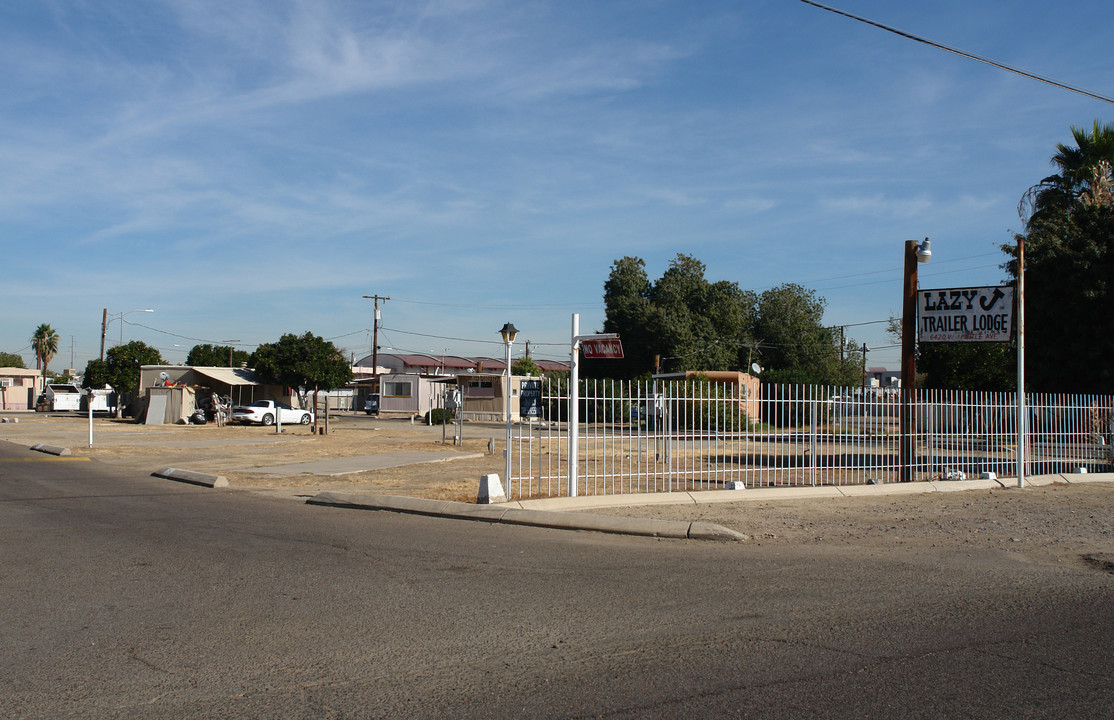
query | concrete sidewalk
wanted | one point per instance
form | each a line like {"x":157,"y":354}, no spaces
{"x":561,"y":512}
{"x":688,"y":497}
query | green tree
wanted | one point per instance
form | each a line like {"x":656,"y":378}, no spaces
{"x":302,"y":361}
{"x":629,"y":312}
{"x":216,"y":356}
{"x":122,"y":364}
{"x":525,"y":366}
{"x":989,"y":367}
{"x":1069,"y":267}
{"x":682,"y":318}
{"x":703,"y":322}
{"x":694,"y":324}
{"x":45,"y":344}
{"x":1060,"y":193}
{"x":11,"y":360}
{"x":96,"y":374}
{"x":797,"y":348}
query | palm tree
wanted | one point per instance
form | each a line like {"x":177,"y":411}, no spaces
{"x":1077,"y":172}
{"x":45,"y":344}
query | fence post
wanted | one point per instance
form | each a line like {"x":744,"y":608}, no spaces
{"x":574,"y":405}
{"x":812,"y":440}
{"x":929,"y":436}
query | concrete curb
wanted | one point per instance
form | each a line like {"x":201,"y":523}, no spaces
{"x":688,"y":497}
{"x":534,"y":518}
{"x":1073,"y":478}
{"x":192,"y":477}
{"x":51,"y":449}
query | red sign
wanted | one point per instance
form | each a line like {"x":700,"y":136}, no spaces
{"x":610,"y":348}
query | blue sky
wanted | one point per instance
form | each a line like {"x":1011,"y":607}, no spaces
{"x":248,"y":169}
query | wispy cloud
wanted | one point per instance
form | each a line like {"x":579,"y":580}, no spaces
{"x":878,"y":204}
{"x":264,"y":163}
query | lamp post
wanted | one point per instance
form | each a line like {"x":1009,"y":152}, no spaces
{"x":914,"y":253}
{"x":508,"y":331}
{"x":105,"y":320}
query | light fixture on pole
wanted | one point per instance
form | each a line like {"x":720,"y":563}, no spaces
{"x":508,"y":331}
{"x":914,"y":253}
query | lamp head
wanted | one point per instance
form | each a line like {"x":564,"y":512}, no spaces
{"x":924,"y":251}
{"x":508,"y":331}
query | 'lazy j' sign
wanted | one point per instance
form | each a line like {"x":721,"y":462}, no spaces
{"x":980,"y":314}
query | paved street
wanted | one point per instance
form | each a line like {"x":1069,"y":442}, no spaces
{"x":126,"y":596}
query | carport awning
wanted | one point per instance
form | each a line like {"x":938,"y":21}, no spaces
{"x":230,"y":376}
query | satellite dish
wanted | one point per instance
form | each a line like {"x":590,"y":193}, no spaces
{"x":756,"y":368}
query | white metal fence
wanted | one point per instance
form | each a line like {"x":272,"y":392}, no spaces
{"x":692,"y":435}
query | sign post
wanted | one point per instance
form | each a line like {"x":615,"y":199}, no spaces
{"x":88,"y":393}
{"x":982,"y":314}
{"x":610,"y":341}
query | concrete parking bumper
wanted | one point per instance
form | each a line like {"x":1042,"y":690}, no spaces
{"x":51,"y":449}
{"x":192,"y":477}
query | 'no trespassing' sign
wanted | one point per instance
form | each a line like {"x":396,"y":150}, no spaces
{"x":980,"y":314}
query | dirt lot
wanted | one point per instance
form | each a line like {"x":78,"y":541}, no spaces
{"x":1053,"y":524}
{"x":239,"y":451}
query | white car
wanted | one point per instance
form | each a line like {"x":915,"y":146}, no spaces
{"x":263,"y":412}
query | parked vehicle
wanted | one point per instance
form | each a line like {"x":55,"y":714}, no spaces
{"x":264,"y":411}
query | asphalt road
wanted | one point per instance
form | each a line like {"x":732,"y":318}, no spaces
{"x":126,"y":596}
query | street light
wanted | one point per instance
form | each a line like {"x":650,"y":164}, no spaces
{"x":508,"y":331}
{"x":914,"y":253}
{"x":105,"y":320}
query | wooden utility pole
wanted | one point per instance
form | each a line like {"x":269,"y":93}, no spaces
{"x":864,"y":369}
{"x":908,"y":448}
{"x":375,"y":334}
{"x":104,"y":329}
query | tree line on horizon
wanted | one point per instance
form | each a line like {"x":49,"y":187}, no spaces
{"x":684,"y":322}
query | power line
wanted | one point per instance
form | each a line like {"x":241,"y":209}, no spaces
{"x":183,"y":337}
{"x":354,"y":332}
{"x":891,"y":270}
{"x":567,"y":306}
{"x":443,"y":337}
{"x":963,"y":53}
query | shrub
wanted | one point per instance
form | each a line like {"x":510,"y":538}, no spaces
{"x":439,"y":416}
